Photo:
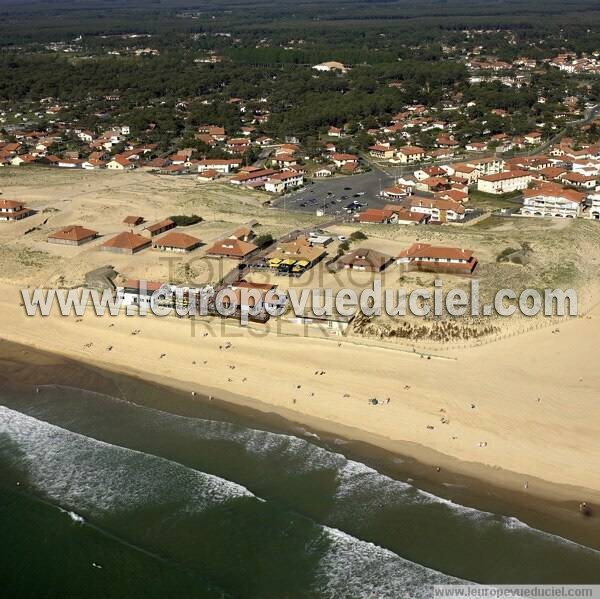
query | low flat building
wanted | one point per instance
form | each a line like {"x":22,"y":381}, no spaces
{"x":429,"y":258}
{"x":579,"y":180}
{"x":74,"y":235}
{"x":176,"y":242}
{"x":126,"y":243}
{"x":223,"y":166}
{"x":235,"y":249}
{"x":396,"y":192}
{"x":160,"y":227}
{"x":133,"y":221}
{"x":406,"y":217}
{"x":376,"y":216}
{"x":365,"y":260}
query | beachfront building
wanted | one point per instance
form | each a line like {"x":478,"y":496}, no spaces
{"x":552,"y":199}
{"x":365,"y":260}
{"x":138,"y":293}
{"x":74,"y":235}
{"x":248,"y":296}
{"x":294,"y":258}
{"x":506,"y":182}
{"x":160,"y":227}
{"x":429,"y":258}
{"x":126,"y":243}
{"x":176,"y":242}
{"x":148,"y":294}
{"x":11,"y":210}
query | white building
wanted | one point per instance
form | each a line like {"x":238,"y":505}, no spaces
{"x":489,"y":165}
{"x":223,"y":166}
{"x":551,"y":199}
{"x":504,"y":182}
{"x":331,"y":65}
{"x":280,"y":182}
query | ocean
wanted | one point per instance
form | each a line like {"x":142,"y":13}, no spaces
{"x":102,"y":496}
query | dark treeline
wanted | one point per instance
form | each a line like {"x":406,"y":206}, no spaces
{"x":400,"y":53}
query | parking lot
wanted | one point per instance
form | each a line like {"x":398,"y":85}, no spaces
{"x":333,"y":195}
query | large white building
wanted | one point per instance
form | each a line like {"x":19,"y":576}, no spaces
{"x":551,"y":199}
{"x":280,"y":182}
{"x":507,"y":182}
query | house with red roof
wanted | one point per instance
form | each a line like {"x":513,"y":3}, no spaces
{"x":126,"y":243}
{"x":11,"y":210}
{"x":429,"y":258}
{"x":73,"y":235}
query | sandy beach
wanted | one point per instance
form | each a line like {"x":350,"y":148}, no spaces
{"x":520,"y":413}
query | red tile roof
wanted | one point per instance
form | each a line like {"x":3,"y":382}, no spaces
{"x":127,"y":241}
{"x":73,"y":233}
{"x":424,"y":250}
{"x":231,"y":247}
{"x":177,"y":240}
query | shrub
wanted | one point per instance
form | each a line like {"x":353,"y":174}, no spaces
{"x":183,"y":220}
{"x":358,"y":236}
{"x":263,"y":240}
{"x":504,"y":254}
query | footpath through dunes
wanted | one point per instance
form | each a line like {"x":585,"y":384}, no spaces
{"x":164,"y":482}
